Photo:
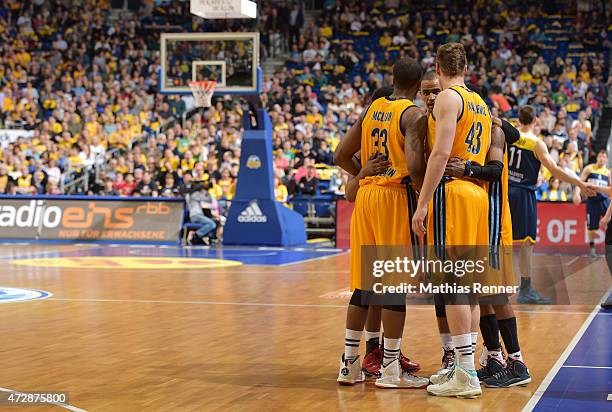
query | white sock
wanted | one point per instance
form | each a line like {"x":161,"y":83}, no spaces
{"x":447,"y":341}
{"x":391,"y":350}
{"x":498,"y":356}
{"x":474,"y":341}
{"x":351,"y":344}
{"x":371,"y":335}
{"x":516,"y":356}
{"x":463,"y":350}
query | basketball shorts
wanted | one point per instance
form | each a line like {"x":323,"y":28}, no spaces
{"x":457,"y":230}
{"x":500,"y":269}
{"x":382,"y":217}
{"x":596,"y":208}
{"x":458,"y":215}
{"x":523,"y":207}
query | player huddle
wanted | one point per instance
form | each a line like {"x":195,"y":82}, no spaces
{"x":446,"y":177}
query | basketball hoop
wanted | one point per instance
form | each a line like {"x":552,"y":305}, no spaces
{"x":203,"y":92}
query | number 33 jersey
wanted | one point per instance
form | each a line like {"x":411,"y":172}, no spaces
{"x":381,"y":133}
{"x":473,"y":132}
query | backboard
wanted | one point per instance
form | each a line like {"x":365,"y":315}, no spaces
{"x":231,"y":59}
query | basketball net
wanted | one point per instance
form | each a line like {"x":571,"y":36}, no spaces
{"x":203,"y":92}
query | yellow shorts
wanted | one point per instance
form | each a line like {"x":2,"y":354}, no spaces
{"x":458,"y":215}
{"x":382,"y":217}
{"x":458,"y":233}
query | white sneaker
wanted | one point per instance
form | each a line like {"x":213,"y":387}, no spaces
{"x":448,"y":361}
{"x":392,"y":376}
{"x":484,"y":355}
{"x":440,"y":376}
{"x":459,"y":382}
{"x":350,"y":372}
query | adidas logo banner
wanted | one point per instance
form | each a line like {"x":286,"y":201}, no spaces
{"x":252,"y":214}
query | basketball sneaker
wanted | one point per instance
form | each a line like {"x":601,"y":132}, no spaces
{"x":484,"y":355}
{"x":350,"y":372}
{"x":528,"y":295}
{"x":458,"y":382}
{"x":408,"y":365}
{"x":515,"y":373}
{"x":493,"y":366}
{"x":392,"y":376}
{"x":372,"y":363}
{"x":448,"y":361}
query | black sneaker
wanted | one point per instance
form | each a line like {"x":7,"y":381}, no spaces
{"x":493,"y":366}
{"x":515,"y":374}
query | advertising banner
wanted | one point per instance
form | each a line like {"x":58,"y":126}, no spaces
{"x":561,"y":227}
{"x":91,"y":219}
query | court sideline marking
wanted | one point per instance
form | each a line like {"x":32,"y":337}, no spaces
{"x":297,"y":305}
{"x":537,"y":395}
{"x":60,"y":404}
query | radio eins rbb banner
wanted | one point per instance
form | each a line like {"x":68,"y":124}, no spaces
{"x":140,"y":221}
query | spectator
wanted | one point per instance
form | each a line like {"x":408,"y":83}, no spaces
{"x":573,"y":157}
{"x":554,"y":193}
{"x":324,"y":154}
{"x":583,"y":126}
{"x":280,"y":191}
{"x":309,"y":184}
{"x":5,"y":179}
{"x":199,"y":204}
{"x":296,"y":21}
{"x":108,"y":189}
{"x":169,"y":189}
{"x":146,"y":187}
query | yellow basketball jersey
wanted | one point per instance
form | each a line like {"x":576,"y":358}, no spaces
{"x":473,"y":132}
{"x":381,"y":133}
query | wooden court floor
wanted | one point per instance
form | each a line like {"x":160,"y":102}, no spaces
{"x":238,"y":338}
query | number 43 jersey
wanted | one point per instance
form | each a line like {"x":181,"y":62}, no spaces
{"x":473,"y":131}
{"x":381,"y":133}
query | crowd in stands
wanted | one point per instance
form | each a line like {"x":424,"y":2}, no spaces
{"x":82,"y":84}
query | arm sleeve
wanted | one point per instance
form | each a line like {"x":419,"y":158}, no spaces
{"x":490,"y":172}
{"x":511,"y":133}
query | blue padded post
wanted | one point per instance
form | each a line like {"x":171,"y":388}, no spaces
{"x":255,"y":217}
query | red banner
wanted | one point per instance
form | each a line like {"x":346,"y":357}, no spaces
{"x":560,"y":226}
{"x":563,"y":225}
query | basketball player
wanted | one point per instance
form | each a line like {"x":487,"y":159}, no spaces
{"x":394,"y":127}
{"x":460,"y":126}
{"x":499,"y":316}
{"x":373,"y":358}
{"x":430,"y":88}
{"x":525,"y":158}
{"x":598,"y":175}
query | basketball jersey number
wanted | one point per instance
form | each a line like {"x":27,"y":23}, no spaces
{"x":473,"y":138}
{"x":515,"y":154}
{"x":380,"y":140}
